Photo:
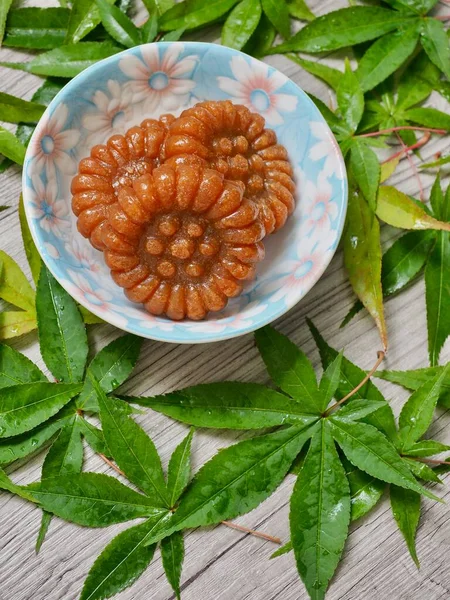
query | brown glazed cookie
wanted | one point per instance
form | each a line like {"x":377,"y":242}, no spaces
{"x":233,"y":140}
{"x":182,"y":240}
{"x":111,"y":166}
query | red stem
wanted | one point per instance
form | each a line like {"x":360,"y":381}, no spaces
{"x":380,"y":357}
{"x":407,"y":127}
{"x":423,"y":140}
{"x":405,"y":148}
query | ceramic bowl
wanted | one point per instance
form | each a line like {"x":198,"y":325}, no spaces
{"x":147,"y":81}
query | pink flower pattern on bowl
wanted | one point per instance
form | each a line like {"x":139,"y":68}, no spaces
{"x":50,"y":212}
{"x":51,"y":148}
{"x":257,"y":88}
{"x":159,"y":82}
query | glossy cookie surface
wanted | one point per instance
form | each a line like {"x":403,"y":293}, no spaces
{"x":234,"y":140}
{"x":182,"y":240}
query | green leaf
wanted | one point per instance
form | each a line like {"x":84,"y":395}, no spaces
{"x":228,"y":405}
{"x":398,"y":210}
{"x":19,"y":446}
{"x":417,"y":413}
{"x":11,"y":147}
{"x":421,"y":470}
{"x":17,"y":368}
{"x":66,"y":453}
{"x":239,"y":478}
{"x":16,"y":323}
{"x":344,"y":27}
{"x":437,"y":198}
{"x":5,"y":5}
{"x":278,"y":14}
{"x":428,"y":117}
{"x":179,"y":471}
{"x":14,"y":286}
{"x":413,"y":379}
{"x":350,"y":98}
{"x":299,"y":10}
{"x":133,"y":450}
{"x":24,"y":406}
{"x":33,"y":257}
{"x":319,"y":514}
{"x":194,"y":13}
{"x":365,"y":490}
{"x":405,"y":506}
{"x":400,"y":264}
{"x":437,"y":285}
{"x":161,"y":6}
{"x":418,"y":6}
{"x":289,"y":368}
{"x":416,"y":83}
{"x":91,"y":499}
{"x":15,"y":110}
{"x":386,"y":55}
{"x":94,"y":437}
{"x":121,"y":563}
{"x":149,"y":29}
{"x":351,"y":376}
{"x":172,"y":554}
{"x":241,"y":23}
{"x":336,"y":125}
{"x":435,"y":43}
{"x":366,"y":171}
{"x":7,"y":484}
{"x":358,"y":409}
{"x":330,"y":381}
{"x":262,"y":38}
{"x":64,"y":457}
{"x":66,"y":61}
{"x":283,"y":550}
{"x":43,"y":529}
{"x":84,"y":17}
{"x":369,"y":450}
{"x":426,"y":448}
{"x":331,"y":76}
{"x":118,"y":25}
{"x":362,"y":258}
{"x":173,"y":36}
{"x":404,"y":259}
{"x":110,"y":367}
{"x":36,"y":28}
{"x":62,"y":334}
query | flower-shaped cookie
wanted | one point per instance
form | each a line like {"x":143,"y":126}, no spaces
{"x":111,"y":166}
{"x":182,"y":239}
{"x":233,"y":140}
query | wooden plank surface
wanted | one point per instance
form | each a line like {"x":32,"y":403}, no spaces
{"x":222,"y":564}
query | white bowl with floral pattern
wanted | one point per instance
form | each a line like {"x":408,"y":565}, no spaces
{"x":147,"y":81}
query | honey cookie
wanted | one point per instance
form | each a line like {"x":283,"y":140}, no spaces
{"x":234,"y":141}
{"x":182,"y":240}
{"x":111,"y":166}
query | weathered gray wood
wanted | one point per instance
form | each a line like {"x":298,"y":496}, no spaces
{"x":222,"y":564}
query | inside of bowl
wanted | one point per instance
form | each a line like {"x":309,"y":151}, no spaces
{"x":146,"y":82}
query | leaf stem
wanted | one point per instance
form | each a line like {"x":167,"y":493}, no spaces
{"x":230,"y":524}
{"x":442,"y":17}
{"x":424,"y":139}
{"x":405,"y":127}
{"x":259,"y":534}
{"x":380,"y":358}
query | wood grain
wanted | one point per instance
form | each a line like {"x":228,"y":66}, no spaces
{"x":222,"y":564}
